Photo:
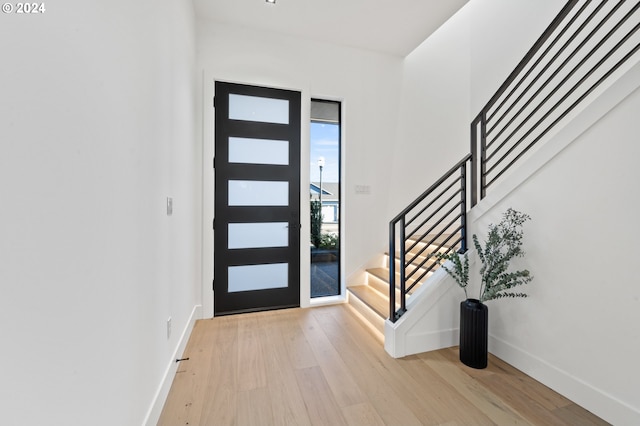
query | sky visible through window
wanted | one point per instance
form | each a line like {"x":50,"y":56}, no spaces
{"x":324,"y":143}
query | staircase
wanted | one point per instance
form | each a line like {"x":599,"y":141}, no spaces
{"x":585,"y":48}
{"x":371,"y":299}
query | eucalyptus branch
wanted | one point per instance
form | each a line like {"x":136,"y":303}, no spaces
{"x":503,"y":243}
{"x":460,"y":270}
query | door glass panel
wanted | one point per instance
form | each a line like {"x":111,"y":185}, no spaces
{"x":253,"y":108}
{"x":258,"y":151}
{"x":258,"y":277}
{"x":258,"y":235}
{"x":258,"y":193}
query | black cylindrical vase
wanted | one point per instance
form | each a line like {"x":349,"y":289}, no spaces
{"x":474,"y":333}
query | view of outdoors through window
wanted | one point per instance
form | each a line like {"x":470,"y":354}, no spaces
{"x":325,"y":198}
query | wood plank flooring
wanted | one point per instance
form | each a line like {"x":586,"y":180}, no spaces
{"x":322,"y":366}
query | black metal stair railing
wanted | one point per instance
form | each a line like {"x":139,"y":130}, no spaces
{"x":434,"y":223}
{"x":586,"y":43}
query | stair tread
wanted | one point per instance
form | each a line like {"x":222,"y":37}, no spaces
{"x":383,"y":274}
{"x":379,"y":272}
{"x":372,"y":298}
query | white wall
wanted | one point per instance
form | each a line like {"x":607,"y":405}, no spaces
{"x":433,"y":118}
{"x":502,"y":32}
{"x":97,"y":124}
{"x":366,"y":83}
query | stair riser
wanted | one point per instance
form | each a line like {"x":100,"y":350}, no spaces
{"x":415,"y":264}
{"x":375,"y":320}
{"x":381,"y":286}
{"x":382,"y":281}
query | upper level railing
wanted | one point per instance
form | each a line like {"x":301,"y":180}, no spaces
{"x":583,"y":47}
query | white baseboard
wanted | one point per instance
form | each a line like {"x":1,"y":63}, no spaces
{"x":587,"y":396}
{"x":153,"y":415}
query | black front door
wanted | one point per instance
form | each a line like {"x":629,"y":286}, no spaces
{"x":257,"y":199}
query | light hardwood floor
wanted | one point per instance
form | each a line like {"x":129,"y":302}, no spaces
{"x":321,"y":366}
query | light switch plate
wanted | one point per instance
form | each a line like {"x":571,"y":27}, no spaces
{"x":169,"y":206}
{"x":363,"y":189}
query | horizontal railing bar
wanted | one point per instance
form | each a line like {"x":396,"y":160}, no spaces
{"x":431,"y":202}
{"x":431,"y":189}
{"x":431,"y":256}
{"x":434,"y":239}
{"x":423,"y":237}
{"x":429,"y":269}
{"x":424,"y":222}
{"x":541,"y":40}
{"x":544,"y":69}
{"x":416,"y":268}
{"x":565,"y":79}
{"x":419,"y":253}
{"x":576,"y":86}
{"x":568,"y":110}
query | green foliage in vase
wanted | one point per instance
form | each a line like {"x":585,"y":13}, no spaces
{"x":503,"y":243}
{"x":460,"y":270}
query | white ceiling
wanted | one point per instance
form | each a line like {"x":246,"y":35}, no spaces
{"x":389,"y":26}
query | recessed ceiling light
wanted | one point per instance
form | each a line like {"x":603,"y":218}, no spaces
{"x":271,"y":1}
